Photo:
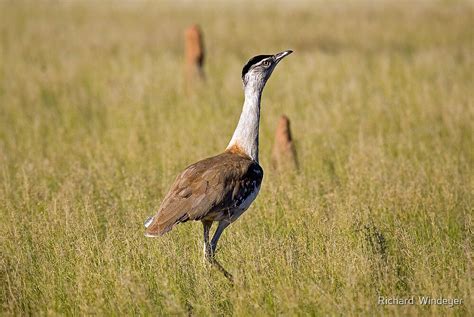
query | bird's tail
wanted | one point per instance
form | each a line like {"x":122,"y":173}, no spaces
{"x":155,"y":228}
{"x":149,"y":221}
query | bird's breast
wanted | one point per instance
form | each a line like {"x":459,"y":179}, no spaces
{"x":245,"y":199}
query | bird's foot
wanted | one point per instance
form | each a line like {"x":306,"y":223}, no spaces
{"x":226,"y":273}
{"x":211,"y":260}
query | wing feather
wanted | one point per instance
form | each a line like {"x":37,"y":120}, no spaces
{"x":202,"y":189}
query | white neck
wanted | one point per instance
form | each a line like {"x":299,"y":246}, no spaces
{"x":246,"y":134}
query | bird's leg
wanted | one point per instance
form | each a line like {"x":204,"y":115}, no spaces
{"x":220,"y":228}
{"x":212,"y":246}
{"x":207,"y":246}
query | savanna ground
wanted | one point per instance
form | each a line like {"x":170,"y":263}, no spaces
{"x":95,"y":124}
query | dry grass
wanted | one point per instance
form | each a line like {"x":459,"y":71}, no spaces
{"x":94,"y":125}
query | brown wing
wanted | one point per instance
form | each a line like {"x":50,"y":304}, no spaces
{"x":204,"y":189}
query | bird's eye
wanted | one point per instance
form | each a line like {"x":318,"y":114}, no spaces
{"x":266,"y":63}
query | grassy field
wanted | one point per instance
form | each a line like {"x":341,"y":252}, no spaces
{"x":95,"y":124}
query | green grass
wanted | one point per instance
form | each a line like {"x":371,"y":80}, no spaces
{"x":95,"y":124}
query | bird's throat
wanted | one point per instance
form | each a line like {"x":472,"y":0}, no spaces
{"x":245,"y":135}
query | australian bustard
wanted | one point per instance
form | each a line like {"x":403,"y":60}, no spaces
{"x":220,"y":188}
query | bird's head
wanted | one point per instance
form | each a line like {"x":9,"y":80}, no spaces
{"x":259,"y":69}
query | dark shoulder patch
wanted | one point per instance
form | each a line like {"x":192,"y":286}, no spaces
{"x":252,"y":61}
{"x":256,"y":172}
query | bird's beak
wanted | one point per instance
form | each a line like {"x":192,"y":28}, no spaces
{"x":279,"y":56}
